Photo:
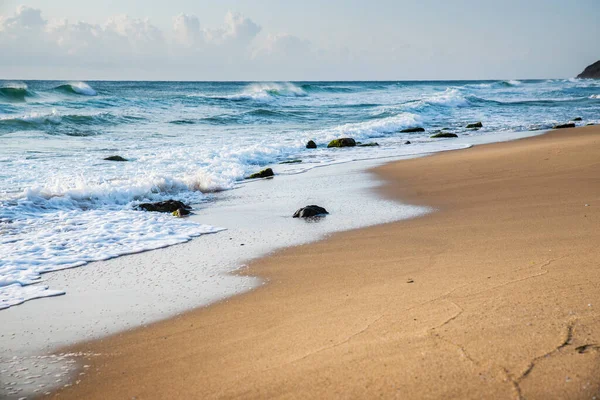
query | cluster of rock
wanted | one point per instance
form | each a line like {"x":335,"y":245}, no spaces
{"x":180,"y":209}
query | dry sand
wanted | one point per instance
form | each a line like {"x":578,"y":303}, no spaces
{"x":495,"y":295}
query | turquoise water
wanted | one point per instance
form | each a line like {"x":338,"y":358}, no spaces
{"x":62,"y":205}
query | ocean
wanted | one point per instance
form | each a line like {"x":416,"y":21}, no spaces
{"x":63,"y":206}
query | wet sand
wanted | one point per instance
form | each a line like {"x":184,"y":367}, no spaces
{"x":494,"y":295}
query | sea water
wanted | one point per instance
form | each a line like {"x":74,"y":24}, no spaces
{"x":62,"y":205}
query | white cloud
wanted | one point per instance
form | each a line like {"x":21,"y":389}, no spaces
{"x":186,"y":30}
{"x":123,"y":44}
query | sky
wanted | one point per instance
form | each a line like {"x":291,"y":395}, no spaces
{"x":297,"y":40}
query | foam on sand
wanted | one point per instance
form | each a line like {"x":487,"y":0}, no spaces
{"x":43,"y":241}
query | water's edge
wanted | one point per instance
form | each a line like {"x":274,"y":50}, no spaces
{"x":132,"y":291}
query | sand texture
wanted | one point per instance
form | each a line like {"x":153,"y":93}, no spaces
{"x":494,"y":295}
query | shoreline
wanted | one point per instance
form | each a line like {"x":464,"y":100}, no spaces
{"x":87,"y":313}
{"x":337,"y":325}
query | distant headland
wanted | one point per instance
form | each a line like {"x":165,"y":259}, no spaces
{"x":591,"y":72}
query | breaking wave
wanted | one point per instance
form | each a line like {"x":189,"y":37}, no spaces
{"x":80,"y":88}
{"x":266,"y":92}
{"x":15,"y":92}
{"x":55,"y":120}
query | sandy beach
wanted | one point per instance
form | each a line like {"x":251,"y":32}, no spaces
{"x":493,"y":295}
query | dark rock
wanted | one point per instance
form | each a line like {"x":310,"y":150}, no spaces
{"x":368,"y":144}
{"x":444,"y":135}
{"x":169,"y":206}
{"x":563,"y":126}
{"x":115,"y":158}
{"x":265,"y":173}
{"x":343,"y":142}
{"x":310,"y":211}
{"x":412,"y":130}
{"x":577,"y":119}
{"x":591,"y":72}
{"x":311,"y":145}
{"x":291,"y":162}
{"x":476,"y":125}
{"x":407,"y":142}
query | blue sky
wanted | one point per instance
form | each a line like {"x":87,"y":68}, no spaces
{"x":308,"y":40}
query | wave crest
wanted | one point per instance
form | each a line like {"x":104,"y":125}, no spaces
{"x":267,"y":92}
{"x":511,"y":83}
{"x":80,"y":88}
{"x":54,"y":119}
{"x":15,"y":92}
{"x":374,"y":128}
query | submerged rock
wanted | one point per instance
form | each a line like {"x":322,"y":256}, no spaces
{"x":407,"y":142}
{"x":311,"y":145}
{"x":413,"y":130}
{"x":168,"y":206}
{"x":291,"y":162}
{"x":476,"y":125}
{"x":343,"y":142}
{"x":115,"y":158}
{"x":564,"y":126}
{"x":591,"y":71}
{"x":368,"y":144}
{"x":310,"y":211}
{"x":265,"y":173}
{"x":444,"y":135}
{"x":577,"y":119}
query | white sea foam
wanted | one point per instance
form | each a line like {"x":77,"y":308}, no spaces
{"x":35,"y":117}
{"x":15,"y":294}
{"x":40,"y":241}
{"x":450,"y":98}
{"x":595,"y":96}
{"x":267,"y":92}
{"x":369,"y":129}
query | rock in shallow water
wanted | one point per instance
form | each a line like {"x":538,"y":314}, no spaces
{"x":310,"y":211}
{"x":374,"y":144}
{"x":265,"y":173}
{"x":169,"y":206}
{"x":311,"y":145}
{"x":476,"y":125}
{"x":115,"y":158}
{"x":413,"y":130}
{"x":343,"y":142}
{"x":444,"y":135}
{"x":564,"y":126}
